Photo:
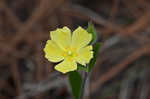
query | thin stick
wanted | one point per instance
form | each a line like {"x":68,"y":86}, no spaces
{"x":85,"y":76}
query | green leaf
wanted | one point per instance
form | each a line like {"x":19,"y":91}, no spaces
{"x":75,"y":80}
{"x":93,"y":60}
{"x":91,"y":29}
{"x":82,"y":68}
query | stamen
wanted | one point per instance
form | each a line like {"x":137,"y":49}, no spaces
{"x":75,"y":54}
{"x":70,"y":58}
{"x":67,"y":48}
{"x":64,"y":54}
{"x":74,"y":49}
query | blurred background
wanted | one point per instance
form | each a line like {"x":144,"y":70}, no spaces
{"x":122,"y":69}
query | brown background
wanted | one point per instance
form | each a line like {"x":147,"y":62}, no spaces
{"x":123,"y":65}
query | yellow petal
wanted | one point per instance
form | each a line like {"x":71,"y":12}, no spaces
{"x":52,"y":52}
{"x":62,"y":36}
{"x":66,"y":66}
{"x":80,"y":38}
{"x":84,"y":55}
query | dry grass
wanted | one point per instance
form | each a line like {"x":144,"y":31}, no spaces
{"x":24,"y":29}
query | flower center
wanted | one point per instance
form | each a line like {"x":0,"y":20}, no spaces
{"x":69,"y":52}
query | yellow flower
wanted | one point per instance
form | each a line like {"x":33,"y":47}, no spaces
{"x":69,"y":49}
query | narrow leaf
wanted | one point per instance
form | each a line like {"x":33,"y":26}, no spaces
{"x":91,"y":29}
{"x":93,"y":60}
{"x":75,"y":80}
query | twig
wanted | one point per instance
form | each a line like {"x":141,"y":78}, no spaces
{"x":30,"y":89}
{"x":85,"y":76}
{"x":118,"y":68}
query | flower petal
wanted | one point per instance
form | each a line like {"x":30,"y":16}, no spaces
{"x":84,"y":55}
{"x":52,"y":52}
{"x":62,"y":37}
{"x":80,"y":38}
{"x":66,"y":66}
